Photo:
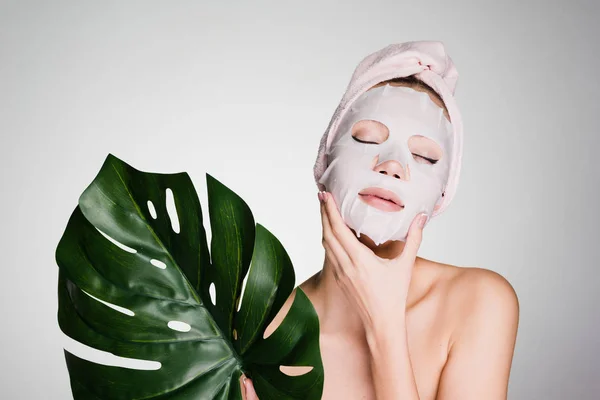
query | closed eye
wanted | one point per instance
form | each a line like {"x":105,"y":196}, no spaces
{"x":362,"y":141}
{"x":430,"y":160}
{"x":419,"y":145}
{"x":427,"y":159}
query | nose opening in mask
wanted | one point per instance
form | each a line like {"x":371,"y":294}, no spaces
{"x":393,"y":169}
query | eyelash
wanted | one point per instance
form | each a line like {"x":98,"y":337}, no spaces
{"x":431,"y":160}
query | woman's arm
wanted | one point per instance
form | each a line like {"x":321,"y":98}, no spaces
{"x":378,"y":288}
{"x":480,"y":357}
{"x":391,"y":368}
{"x":481,"y":352}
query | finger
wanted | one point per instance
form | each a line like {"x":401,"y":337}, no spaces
{"x":330,"y":255}
{"x":413,"y":240}
{"x":243,"y":386}
{"x":332,"y":244}
{"x":250,"y":392}
{"x":351,"y":245}
{"x":334,"y":263}
{"x":326,"y":234}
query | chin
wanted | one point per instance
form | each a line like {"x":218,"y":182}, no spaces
{"x":370,"y":243}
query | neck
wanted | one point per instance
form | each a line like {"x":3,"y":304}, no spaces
{"x":338,"y":313}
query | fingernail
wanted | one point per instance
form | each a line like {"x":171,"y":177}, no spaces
{"x":422,"y":219}
{"x":325,"y":197}
{"x":320,"y":195}
{"x":244,"y":380}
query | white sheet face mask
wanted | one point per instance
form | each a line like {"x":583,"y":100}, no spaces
{"x":353,"y":166}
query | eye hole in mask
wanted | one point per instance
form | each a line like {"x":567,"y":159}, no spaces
{"x":370,"y":131}
{"x":423,"y":149}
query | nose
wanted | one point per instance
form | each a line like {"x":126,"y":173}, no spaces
{"x":391,"y":168}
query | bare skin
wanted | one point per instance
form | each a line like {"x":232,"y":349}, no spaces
{"x":460,"y":327}
{"x":439,"y":302}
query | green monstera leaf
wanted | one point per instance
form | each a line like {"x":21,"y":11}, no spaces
{"x":134,"y":281}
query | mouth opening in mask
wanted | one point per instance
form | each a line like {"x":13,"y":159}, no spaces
{"x":381,"y":199}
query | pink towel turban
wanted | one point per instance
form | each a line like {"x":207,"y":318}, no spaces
{"x":428,"y":61}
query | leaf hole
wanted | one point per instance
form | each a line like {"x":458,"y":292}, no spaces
{"x":280,"y":316}
{"x":239,"y":299}
{"x":293,"y":370}
{"x":179,"y":326}
{"x":152,"y":209}
{"x":158,"y":263}
{"x":120,"y":309}
{"x":105,"y":358}
{"x":172,"y":211}
{"x":213,"y":293}
{"x":117,"y":243}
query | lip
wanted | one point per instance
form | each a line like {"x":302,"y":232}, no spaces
{"x":381,"y":198}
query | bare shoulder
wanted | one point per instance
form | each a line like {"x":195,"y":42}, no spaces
{"x":477,"y":296}
{"x":468,"y":287}
{"x":482,"y":315}
{"x":470,"y":284}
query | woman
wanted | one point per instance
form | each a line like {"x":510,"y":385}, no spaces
{"x":394,"y":325}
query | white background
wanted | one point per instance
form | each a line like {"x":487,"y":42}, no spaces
{"x":244,"y":91}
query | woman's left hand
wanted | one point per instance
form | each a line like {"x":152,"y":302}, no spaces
{"x":378,"y":287}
